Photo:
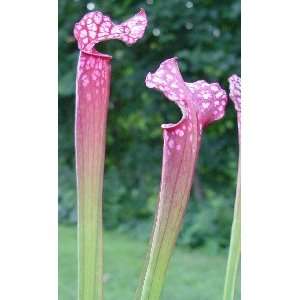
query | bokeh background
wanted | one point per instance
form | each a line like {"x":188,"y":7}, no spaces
{"x":205,"y":36}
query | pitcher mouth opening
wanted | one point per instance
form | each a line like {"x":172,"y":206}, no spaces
{"x":174,"y":125}
{"x":96,"y":53}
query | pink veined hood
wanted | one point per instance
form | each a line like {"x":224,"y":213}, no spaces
{"x":95,"y":27}
{"x":235,"y":96}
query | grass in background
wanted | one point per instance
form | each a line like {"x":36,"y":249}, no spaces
{"x":193,"y":275}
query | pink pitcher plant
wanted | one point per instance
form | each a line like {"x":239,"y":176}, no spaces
{"x":201,"y":103}
{"x":235,"y":240}
{"x":92,"y":98}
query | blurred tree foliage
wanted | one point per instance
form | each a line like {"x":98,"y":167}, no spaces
{"x":205,"y":36}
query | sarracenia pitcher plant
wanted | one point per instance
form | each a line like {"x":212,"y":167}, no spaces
{"x":201,"y":103}
{"x":92,"y":97}
{"x":235,"y":240}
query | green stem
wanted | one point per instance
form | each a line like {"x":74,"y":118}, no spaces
{"x":235,"y":246}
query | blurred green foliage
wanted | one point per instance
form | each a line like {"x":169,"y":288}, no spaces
{"x":124,"y":261}
{"x":205,"y":36}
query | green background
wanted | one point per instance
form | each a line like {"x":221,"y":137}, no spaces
{"x":192,"y":275}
